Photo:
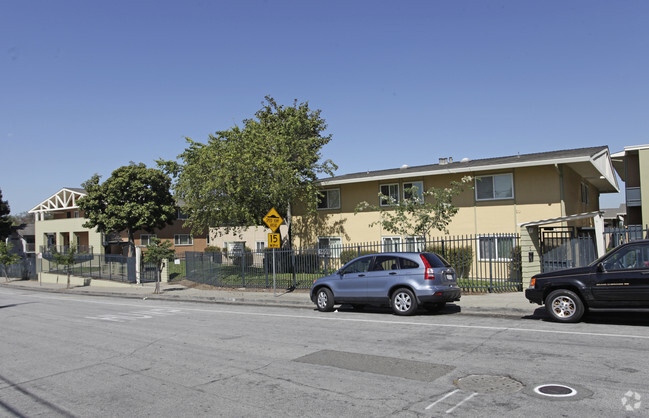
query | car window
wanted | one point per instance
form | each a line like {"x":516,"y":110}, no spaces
{"x":631,"y":257}
{"x":404,"y":263}
{"x":358,"y":266}
{"x":436,"y":260}
{"x":385,"y":262}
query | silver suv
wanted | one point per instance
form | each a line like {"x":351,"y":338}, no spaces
{"x":403,"y":281}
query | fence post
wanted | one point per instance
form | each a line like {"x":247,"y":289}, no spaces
{"x":243,"y":268}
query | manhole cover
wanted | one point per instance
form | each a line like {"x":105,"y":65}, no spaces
{"x":489,"y":384}
{"x":559,"y":391}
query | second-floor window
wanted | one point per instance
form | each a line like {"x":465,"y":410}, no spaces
{"x":329,"y":199}
{"x":390,"y":194}
{"x":496,"y":187}
{"x":414,"y":191}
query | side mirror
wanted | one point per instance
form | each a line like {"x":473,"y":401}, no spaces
{"x":600,"y":268}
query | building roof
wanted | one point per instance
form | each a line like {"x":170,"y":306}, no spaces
{"x":594,"y":164}
{"x":64,"y":199}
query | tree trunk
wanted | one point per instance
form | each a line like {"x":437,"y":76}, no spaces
{"x":131,"y":243}
{"x":68,"y":277}
{"x":289,"y":221}
{"x":157,"y":281}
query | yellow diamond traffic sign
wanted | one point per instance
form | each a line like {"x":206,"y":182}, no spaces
{"x":273,"y":220}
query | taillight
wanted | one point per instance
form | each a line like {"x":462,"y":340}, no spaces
{"x":533,"y":282}
{"x":429,"y":273}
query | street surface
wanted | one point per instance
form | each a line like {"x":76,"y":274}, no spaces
{"x":69,"y":355}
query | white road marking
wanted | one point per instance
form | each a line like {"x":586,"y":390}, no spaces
{"x":325,"y":317}
{"x":442,"y":398}
{"x":448,"y":411}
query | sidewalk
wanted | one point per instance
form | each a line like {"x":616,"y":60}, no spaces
{"x":491,"y":304}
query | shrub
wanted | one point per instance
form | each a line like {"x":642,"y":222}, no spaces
{"x":212,"y":249}
{"x":348,"y":255}
{"x":516,"y":265}
{"x":460,"y":258}
{"x":246,"y":258}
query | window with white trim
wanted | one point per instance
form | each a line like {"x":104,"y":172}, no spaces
{"x":390,"y":194}
{"x":496,"y":248}
{"x":415,"y":244}
{"x":496,"y":187}
{"x":145,"y":239}
{"x":260,"y":246}
{"x":391,"y":244}
{"x":414,"y":190}
{"x":183,"y":239}
{"x":329,"y":199}
{"x":331,"y":246}
{"x":181,"y":215}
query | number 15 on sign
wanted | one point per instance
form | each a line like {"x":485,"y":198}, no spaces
{"x":274,"y":240}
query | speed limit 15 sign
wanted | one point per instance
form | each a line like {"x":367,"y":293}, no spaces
{"x":274,"y":240}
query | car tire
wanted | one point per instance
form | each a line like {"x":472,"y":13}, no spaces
{"x":403,"y":302}
{"x":435,"y":307}
{"x":564,"y":306}
{"x":324,"y":300}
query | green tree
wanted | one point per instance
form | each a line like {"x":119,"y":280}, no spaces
{"x":239,"y":174}
{"x":418,"y":215}
{"x":157,"y":252}
{"x":7,"y":257}
{"x":133,"y":198}
{"x":66,"y":259}
{"x":5,"y":219}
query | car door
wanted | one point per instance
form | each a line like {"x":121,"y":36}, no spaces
{"x":624,"y":275}
{"x":383,"y":272}
{"x":352,"y":285}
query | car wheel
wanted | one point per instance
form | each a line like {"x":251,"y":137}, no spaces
{"x":564,"y":306}
{"x":434,"y":307}
{"x":404,"y":302}
{"x":325,"y":300}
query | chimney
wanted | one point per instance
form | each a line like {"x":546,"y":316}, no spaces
{"x":443,"y":161}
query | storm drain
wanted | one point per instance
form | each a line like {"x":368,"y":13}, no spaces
{"x":489,"y":384}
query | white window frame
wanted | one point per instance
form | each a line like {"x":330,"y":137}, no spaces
{"x":493,"y":186}
{"x":409,"y":185}
{"x":181,"y":216}
{"x":414,"y":244}
{"x":325,"y":194}
{"x":496,"y":238}
{"x":333,"y":249}
{"x":385,"y":201}
{"x":263,"y":246}
{"x":148,"y":238}
{"x":180,"y":244}
{"x":394,"y":242}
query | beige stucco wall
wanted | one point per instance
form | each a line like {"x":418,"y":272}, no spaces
{"x":250,"y":236}
{"x":68,"y":227}
{"x":537,"y":196}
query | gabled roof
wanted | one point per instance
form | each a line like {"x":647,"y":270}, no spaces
{"x":64,"y":199}
{"x":594,"y":164}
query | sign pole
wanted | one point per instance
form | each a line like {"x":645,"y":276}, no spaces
{"x":274,"y":287}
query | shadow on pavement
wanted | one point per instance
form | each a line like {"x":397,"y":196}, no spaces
{"x":601,"y":316}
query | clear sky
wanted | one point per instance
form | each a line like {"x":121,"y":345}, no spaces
{"x":88,"y":86}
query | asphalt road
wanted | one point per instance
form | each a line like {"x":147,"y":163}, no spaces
{"x":70,"y":355}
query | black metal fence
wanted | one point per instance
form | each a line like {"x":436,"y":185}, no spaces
{"x":102,"y":266}
{"x":24,"y":269}
{"x":484,"y":263}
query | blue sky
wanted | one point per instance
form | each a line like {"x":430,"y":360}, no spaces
{"x":88,"y":86}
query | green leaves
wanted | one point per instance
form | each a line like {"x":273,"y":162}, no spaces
{"x":133,"y":198}
{"x":239,"y":174}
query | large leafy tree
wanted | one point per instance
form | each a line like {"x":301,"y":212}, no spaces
{"x":133,"y":198}
{"x":421,"y":213}
{"x":234,"y":179}
{"x":5,"y":219}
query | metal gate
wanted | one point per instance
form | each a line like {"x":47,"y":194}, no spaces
{"x":566,"y":247}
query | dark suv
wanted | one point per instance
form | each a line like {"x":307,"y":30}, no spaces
{"x":619,"y":279}
{"x":402,"y":281}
